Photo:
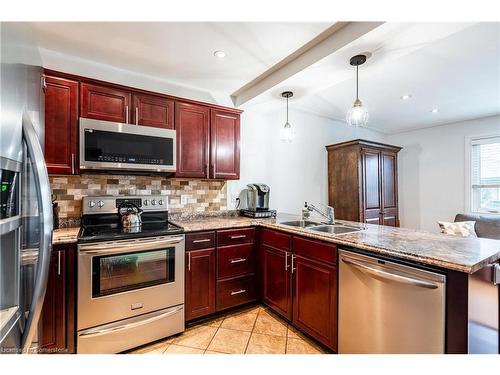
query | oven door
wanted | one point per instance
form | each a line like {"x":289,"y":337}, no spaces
{"x":122,"y":279}
{"x":111,"y":145}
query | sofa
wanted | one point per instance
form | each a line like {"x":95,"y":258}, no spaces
{"x":486,"y":226}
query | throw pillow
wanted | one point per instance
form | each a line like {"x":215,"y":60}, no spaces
{"x":460,"y":228}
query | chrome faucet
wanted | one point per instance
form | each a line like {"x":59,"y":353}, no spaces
{"x":328,"y":214}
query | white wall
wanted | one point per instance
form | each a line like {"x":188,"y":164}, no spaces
{"x":297,"y":171}
{"x":432,"y":170}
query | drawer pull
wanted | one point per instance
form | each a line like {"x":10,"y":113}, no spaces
{"x":203,"y":240}
{"x":238,"y":292}
{"x":238,"y":236}
{"x":238,"y":260}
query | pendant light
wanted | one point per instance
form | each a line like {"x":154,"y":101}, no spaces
{"x":287,"y":133}
{"x":357,"y":115}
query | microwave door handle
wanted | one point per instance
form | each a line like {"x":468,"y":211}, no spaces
{"x":45,"y":220}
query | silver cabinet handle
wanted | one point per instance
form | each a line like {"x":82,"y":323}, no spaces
{"x":390,"y":276}
{"x":137,"y":115}
{"x":126,"y":115}
{"x":238,"y":236}
{"x":238,"y":292}
{"x":45,"y":223}
{"x":286,"y":261}
{"x":239,"y":260}
{"x":98,"y":332}
{"x":293,"y":263}
{"x":59,"y":262}
{"x":72,"y":163}
{"x":189,"y":261}
{"x":203,"y":240}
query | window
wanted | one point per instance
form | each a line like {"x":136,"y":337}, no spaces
{"x":485,"y":175}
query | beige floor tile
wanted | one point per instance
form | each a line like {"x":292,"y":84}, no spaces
{"x":270,"y":325}
{"x":299,"y":346}
{"x":212,"y":352}
{"x":266,"y":344}
{"x":178,"y":349}
{"x":196,"y":337}
{"x":212,"y":322}
{"x":242,"y":322}
{"x":229,"y":341}
{"x":295,"y":334}
{"x":250,"y":309}
{"x":156,"y":348}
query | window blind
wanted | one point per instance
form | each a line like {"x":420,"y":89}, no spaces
{"x":485,"y":170}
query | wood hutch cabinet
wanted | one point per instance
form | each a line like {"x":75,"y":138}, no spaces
{"x":363,"y":182}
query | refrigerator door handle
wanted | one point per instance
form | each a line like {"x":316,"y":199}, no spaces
{"x":45,"y":223}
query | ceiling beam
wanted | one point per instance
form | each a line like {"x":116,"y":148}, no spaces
{"x":332,"y":39}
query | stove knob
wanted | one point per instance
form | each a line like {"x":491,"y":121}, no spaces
{"x":100,"y":204}
{"x":160,"y":202}
{"x":153,"y":202}
{"x":145,"y":202}
{"x":91,"y":204}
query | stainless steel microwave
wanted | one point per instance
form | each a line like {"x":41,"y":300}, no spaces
{"x":116,"y":146}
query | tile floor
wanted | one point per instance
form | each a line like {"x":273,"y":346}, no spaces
{"x":252,"y":330}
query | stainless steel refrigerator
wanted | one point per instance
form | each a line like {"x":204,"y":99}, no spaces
{"x":26,"y":212}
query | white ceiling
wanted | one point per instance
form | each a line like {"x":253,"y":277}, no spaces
{"x":454,"y":67}
{"x":181,"y":52}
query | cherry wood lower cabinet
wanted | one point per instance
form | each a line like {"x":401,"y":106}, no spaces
{"x":200,"y":283}
{"x":56,"y":329}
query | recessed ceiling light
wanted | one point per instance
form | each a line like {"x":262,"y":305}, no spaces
{"x":405,"y":97}
{"x":434,"y":110}
{"x":220,"y":54}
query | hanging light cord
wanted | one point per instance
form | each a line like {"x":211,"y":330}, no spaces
{"x":357,"y":67}
{"x":287,"y":109}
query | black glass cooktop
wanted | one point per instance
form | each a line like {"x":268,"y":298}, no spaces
{"x":96,"y":228}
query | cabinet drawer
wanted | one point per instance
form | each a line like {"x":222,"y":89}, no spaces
{"x":235,"y":236}
{"x":318,"y":250}
{"x":235,"y":260}
{"x":236,"y":291}
{"x":200,"y":240}
{"x":276,"y":239}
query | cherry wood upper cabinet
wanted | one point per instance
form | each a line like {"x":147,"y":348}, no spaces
{"x":363,"y":181}
{"x":61,"y":125}
{"x":192,"y":124}
{"x":155,"y":111}
{"x":224,"y":145}
{"x":105,"y":103}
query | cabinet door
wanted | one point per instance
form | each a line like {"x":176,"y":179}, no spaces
{"x":225,"y":145}
{"x":192,"y":127}
{"x":104,"y":103}
{"x":61,"y":125}
{"x":200,"y":283}
{"x":389,"y":189}
{"x":155,"y":111}
{"x":315,"y":300}
{"x":372,"y":202}
{"x":52,"y":324}
{"x":276,"y":283}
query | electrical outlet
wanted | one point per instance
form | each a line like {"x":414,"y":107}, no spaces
{"x":184,"y":199}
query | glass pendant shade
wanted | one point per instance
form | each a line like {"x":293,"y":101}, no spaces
{"x":357,"y":115}
{"x":287,"y":133}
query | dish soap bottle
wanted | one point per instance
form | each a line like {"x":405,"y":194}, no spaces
{"x":305,"y":212}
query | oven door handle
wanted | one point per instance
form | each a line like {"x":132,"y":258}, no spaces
{"x":127,"y":247}
{"x":99,"y":332}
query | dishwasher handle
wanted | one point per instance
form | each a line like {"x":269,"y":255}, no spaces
{"x":390,"y":276}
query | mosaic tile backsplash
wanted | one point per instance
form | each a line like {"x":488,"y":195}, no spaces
{"x":204,"y":196}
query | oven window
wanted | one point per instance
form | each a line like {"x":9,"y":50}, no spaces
{"x":123,"y":272}
{"x":104,"y":146}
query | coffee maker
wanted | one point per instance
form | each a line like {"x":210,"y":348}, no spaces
{"x":258,"y":201}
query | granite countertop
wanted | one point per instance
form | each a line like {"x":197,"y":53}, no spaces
{"x":434,"y":249}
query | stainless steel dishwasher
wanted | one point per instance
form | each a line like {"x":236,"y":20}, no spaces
{"x":387,"y":307}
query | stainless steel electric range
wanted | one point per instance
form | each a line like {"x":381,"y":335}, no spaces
{"x":130,"y":279}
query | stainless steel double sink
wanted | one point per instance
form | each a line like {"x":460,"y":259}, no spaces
{"x":336,"y":228}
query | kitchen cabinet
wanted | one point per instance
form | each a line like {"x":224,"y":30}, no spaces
{"x":199,"y":275}
{"x":61,"y":125}
{"x":151,"y":110}
{"x":105,"y":103}
{"x":192,"y":124}
{"x":56,"y":330}
{"x":224,"y":145}
{"x":275,"y":255}
{"x":362,"y":182}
